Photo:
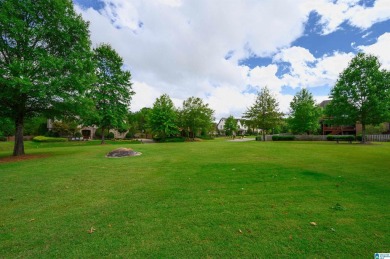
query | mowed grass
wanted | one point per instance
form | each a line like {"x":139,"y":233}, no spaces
{"x":214,"y":199}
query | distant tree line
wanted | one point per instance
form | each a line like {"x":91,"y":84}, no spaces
{"x":164,"y":120}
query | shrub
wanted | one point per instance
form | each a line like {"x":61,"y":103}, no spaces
{"x":78,"y":135}
{"x":48,"y":139}
{"x":129,"y":135}
{"x":259,"y":138}
{"x":283,"y":137}
{"x":110,"y":135}
{"x":340,"y":138}
{"x":2,"y":138}
{"x":173,"y":139}
{"x":205,"y":137}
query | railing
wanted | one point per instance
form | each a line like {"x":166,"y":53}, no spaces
{"x":339,"y":128}
{"x":378,"y":138}
{"x":373,"y":138}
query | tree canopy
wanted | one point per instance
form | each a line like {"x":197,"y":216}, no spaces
{"x":264,"y":113}
{"x":111,"y":93}
{"x":230,"y":126}
{"x":304,"y":113}
{"x":195,"y":116}
{"x":45,"y":61}
{"x":361,"y":94}
{"x":163,"y":117}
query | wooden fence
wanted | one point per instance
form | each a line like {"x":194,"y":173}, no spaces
{"x":373,"y":138}
{"x":378,"y":138}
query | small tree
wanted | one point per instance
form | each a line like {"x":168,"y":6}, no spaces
{"x":304,"y":113}
{"x":163,"y":117}
{"x":230,"y":126}
{"x":264,"y":113}
{"x":361,"y":94}
{"x":112,"y":92}
{"x":195,"y":116}
{"x":66,"y":128}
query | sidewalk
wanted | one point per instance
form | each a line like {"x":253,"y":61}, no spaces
{"x":241,"y":140}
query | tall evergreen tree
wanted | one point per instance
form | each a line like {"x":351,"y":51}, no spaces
{"x":111,"y":93}
{"x":45,"y":61}
{"x":264,"y":113}
{"x":304,"y":113}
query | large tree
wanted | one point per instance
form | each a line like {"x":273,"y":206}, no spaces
{"x":45,"y":63}
{"x":111,"y":93}
{"x":195,"y":116}
{"x":304,"y":113}
{"x":264,"y":113}
{"x":163,"y":117}
{"x":361,"y":94}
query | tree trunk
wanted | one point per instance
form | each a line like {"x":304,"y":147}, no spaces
{"x":103,"y":141}
{"x":263,"y":135}
{"x":19,"y":144}
{"x":363,"y":133}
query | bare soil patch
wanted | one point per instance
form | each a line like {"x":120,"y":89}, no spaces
{"x":122,"y":152}
{"x":10,"y":159}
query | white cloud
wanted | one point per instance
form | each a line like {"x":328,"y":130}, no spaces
{"x":121,"y":13}
{"x":179,"y":47}
{"x":334,"y":13}
{"x":265,"y":76}
{"x":172,"y":3}
{"x":308,"y":71}
{"x":300,"y":60}
{"x":329,"y":67}
{"x":284,"y":102}
{"x":226,"y":100}
{"x":380,"y":49}
{"x":145,"y":95}
{"x":365,"y":17}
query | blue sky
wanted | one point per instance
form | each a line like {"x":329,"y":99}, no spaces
{"x":224,"y":51}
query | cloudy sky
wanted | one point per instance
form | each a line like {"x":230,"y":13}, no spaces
{"x":224,"y":51}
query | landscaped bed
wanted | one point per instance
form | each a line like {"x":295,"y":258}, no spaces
{"x":196,"y":199}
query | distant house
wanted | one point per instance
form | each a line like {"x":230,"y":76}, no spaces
{"x":327,"y":128}
{"x":242,"y":127}
{"x":354,"y":129}
{"x":88,"y":132}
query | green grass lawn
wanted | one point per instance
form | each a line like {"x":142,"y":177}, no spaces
{"x":195,"y":200}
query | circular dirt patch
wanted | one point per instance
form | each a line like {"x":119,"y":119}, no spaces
{"x":122,"y":152}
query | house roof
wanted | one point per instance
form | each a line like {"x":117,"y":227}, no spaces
{"x":323,"y":104}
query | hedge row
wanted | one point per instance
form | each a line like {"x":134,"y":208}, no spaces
{"x":48,"y":139}
{"x":340,"y":137}
{"x":174,"y":139}
{"x":282,"y":138}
